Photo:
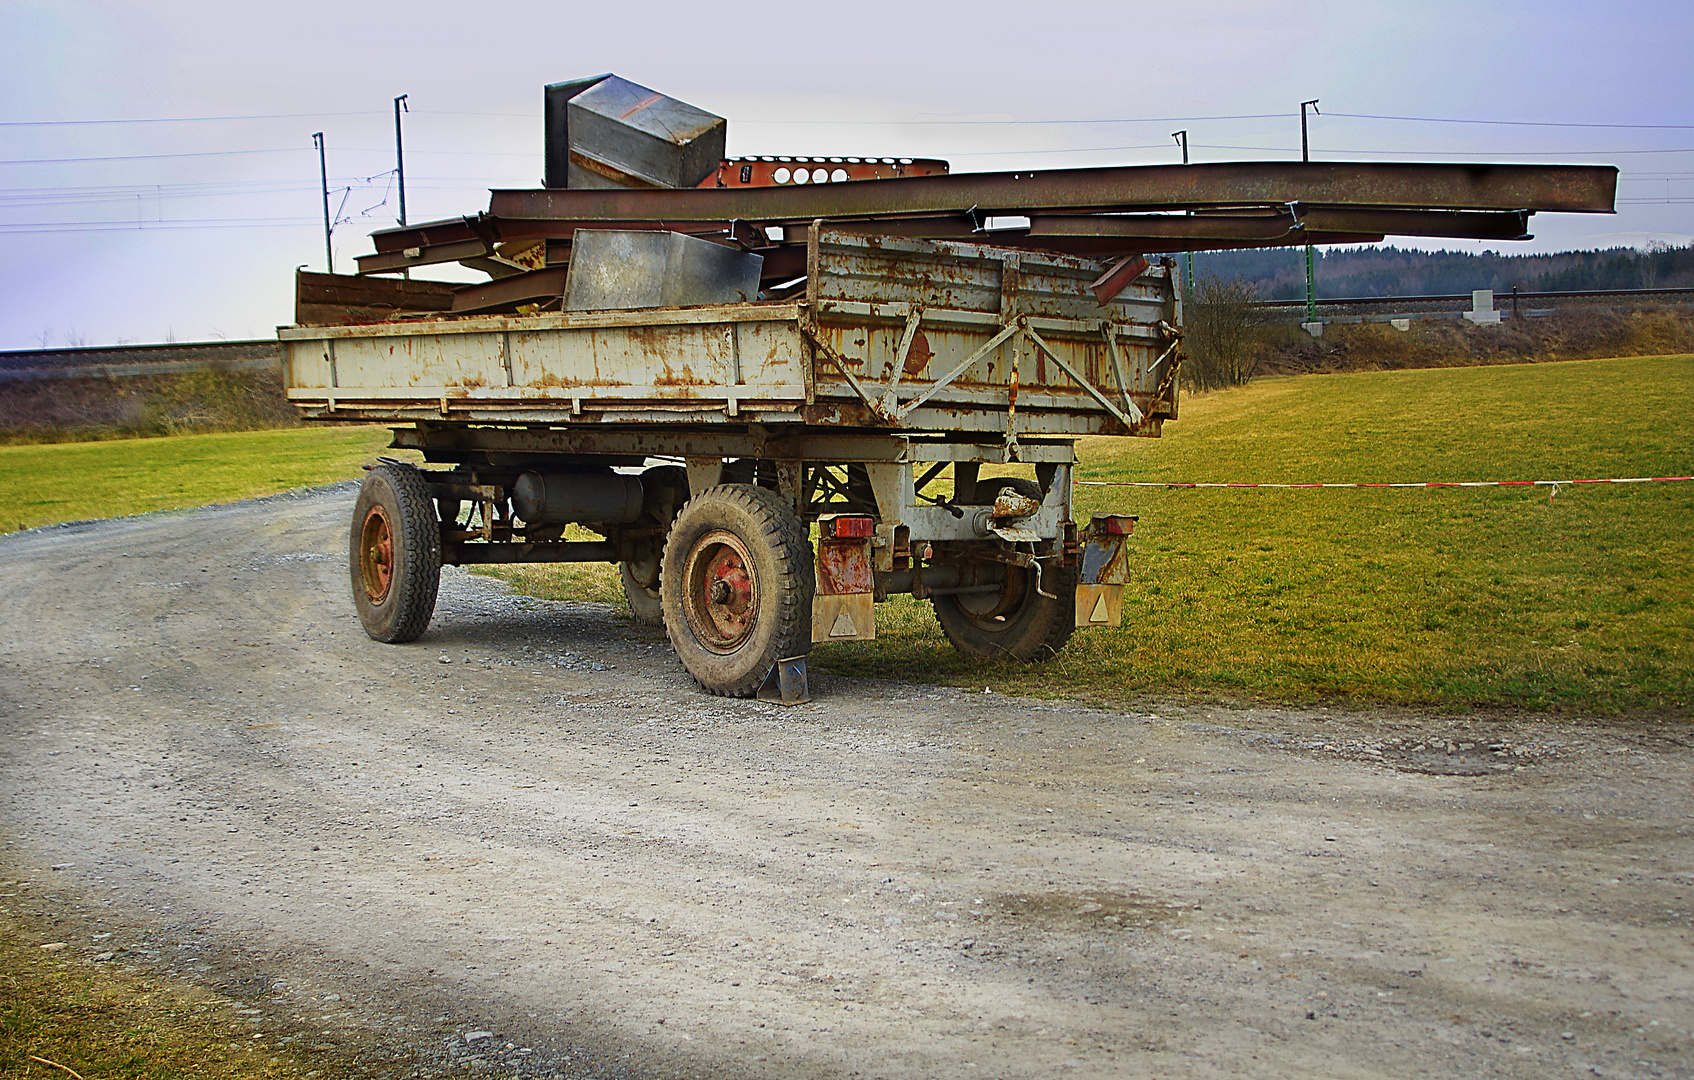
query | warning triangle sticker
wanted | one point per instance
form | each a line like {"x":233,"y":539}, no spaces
{"x":1099,"y":613}
{"x":844,"y":626}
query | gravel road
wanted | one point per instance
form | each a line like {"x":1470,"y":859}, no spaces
{"x":526,"y":844}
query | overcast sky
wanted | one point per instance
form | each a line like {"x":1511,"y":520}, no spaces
{"x":160,"y":227}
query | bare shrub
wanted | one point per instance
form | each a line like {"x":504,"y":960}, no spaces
{"x":1222,"y":325}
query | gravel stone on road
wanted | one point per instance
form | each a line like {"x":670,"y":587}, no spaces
{"x":526,"y":841}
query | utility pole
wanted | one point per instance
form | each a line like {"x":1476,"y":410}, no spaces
{"x":1182,"y":137}
{"x":1311,"y":275}
{"x":323,"y":174}
{"x":400,"y":154}
{"x":400,"y":164}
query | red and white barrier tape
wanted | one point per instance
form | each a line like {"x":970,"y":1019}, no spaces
{"x":1419,"y":484}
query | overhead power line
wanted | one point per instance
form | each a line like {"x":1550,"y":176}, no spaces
{"x":1515,"y":123}
{"x":154,"y":226}
{"x":1196,"y":119}
{"x":145,"y":157}
{"x":278,"y":150}
{"x":880,"y":123}
{"x":179,"y":119}
{"x":1018,"y":123}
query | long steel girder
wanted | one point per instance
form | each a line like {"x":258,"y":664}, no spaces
{"x":1071,"y":237}
{"x":1412,"y":186}
{"x":1080,"y":211}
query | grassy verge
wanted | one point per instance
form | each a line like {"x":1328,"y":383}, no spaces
{"x":43,"y":484}
{"x":1571,"y":334}
{"x":1450,"y":598}
{"x":86,"y":410}
{"x":63,"y":1016}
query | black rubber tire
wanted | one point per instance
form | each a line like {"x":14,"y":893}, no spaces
{"x":645,"y":607}
{"x":399,"y":612}
{"x":1037,"y":627}
{"x":641,"y":578}
{"x":774,"y":558}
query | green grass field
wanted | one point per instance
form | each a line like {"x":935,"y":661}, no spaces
{"x":1443,"y":597}
{"x":1451,"y":598}
{"x":47,"y":483}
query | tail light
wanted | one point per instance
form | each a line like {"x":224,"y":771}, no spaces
{"x":846,"y":527}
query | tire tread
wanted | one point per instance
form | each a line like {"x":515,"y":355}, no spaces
{"x":789,"y":540}
{"x":419,"y":534}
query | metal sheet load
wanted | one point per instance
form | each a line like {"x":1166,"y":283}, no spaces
{"x":607,"y":132}
{"x":616,"y":270}
{"x":573,"y":498}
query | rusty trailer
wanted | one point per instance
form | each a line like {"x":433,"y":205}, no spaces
{"x":706,"y":361}
{"x":704,"y":447}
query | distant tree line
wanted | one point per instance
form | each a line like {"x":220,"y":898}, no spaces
{"x":1280,"y":273}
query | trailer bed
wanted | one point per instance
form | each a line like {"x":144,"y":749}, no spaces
{"x":1065,"y":364}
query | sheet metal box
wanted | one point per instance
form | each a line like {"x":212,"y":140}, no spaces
{"x":614,"y":270}
{"x":608,"y":132}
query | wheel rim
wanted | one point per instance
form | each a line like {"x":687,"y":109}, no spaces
{"x":721,"y":596}
{"x":376,"y":555}
{"x":992,"y":611}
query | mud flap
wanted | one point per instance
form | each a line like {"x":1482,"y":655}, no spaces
{"x":1099,"y":605}
{"x":851,"y":617}
{"x":844,"y":606}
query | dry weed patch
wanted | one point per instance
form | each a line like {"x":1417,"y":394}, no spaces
{"x":63,"y":1015}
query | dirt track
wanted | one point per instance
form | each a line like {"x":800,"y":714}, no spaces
{"x":529,"y":831}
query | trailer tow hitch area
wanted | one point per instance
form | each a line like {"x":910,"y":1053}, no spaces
{"x":1009,"y":510}
{"x":1105,"y":568}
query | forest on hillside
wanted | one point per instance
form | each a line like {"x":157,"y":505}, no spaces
{"x":1280,"y":273}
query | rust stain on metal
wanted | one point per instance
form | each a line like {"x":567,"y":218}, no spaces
{"x":918,"y":355}
{"x":686,"y":378}
{"x":1010,"y":504}
{"x":843,"y":567}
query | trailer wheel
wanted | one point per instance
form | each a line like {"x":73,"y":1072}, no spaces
{"x":737,"y":583}
{"x":666,"y":488}
{"x":645,"y":607}
{"x":1017,"y":623}
{"x":395,"y":553}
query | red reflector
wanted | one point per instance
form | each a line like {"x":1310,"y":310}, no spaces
{"x":855,"y":527}
{"x":1115,"y":524}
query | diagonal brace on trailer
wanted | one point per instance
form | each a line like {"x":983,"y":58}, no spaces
{"x":959,"y":369}
{"x":1093,"y":391}
{"x":884,"y":405}
{"x":889,"y":399}
{"x":1118,"y":371}
{"x":842,"y":366}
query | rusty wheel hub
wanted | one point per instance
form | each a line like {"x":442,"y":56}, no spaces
{"x":376,"y":555}
{"x":721,"y":601}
